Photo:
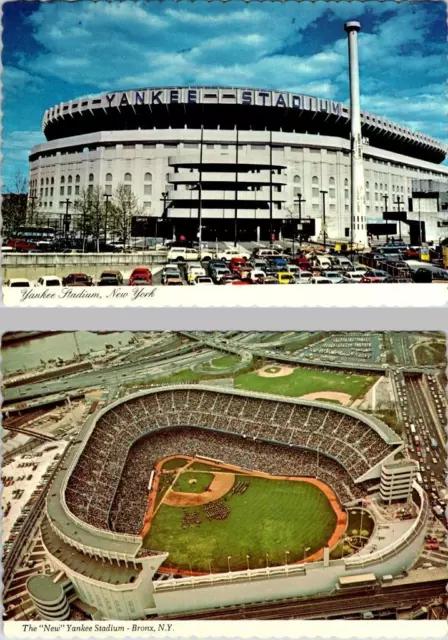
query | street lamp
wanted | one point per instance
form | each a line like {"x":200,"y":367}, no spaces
{"x":199,"y":187}
{"x":248,"y":567}
{"x":228,"y":563}
{"x":386,"y":198}
{"x":300,"y":226}
{"x":286,"y":560}
{"x":399,"y":202}
{"x":324,"y":193}
{"x":305,"y":552}
{"x":106,"y":213}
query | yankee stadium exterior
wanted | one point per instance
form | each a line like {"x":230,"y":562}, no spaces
{"x":234,"y":156}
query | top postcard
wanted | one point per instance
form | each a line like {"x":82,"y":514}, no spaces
{"x":160,"y":145}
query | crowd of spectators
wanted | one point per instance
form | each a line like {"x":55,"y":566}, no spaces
{"x":109,"y":485}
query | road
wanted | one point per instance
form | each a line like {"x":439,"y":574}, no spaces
{"x":115,"y":375}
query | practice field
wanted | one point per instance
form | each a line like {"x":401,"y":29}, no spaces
{"x":304,"y":381}
{"x":259,"y":517}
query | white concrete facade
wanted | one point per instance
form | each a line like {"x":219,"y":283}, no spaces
{"x":155,"y":161}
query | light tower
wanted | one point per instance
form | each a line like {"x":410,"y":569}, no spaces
{"x":358,"y":224}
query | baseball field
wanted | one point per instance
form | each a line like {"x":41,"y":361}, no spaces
{"x":241,"y":520}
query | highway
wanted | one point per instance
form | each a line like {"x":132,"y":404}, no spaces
{"x":110,"y":375}
{"x":322,"y":607}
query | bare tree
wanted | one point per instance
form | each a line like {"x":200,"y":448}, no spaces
{"x":124,"y":207}
{"x":14,"y":204}
{"x":89,"y":213}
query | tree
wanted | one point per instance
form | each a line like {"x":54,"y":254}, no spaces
{"x":123,"y":207}
{"x":89,"y":213}
{"x":15,"y":204}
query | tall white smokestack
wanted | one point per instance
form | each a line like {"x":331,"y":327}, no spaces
{"x":358,"y":225}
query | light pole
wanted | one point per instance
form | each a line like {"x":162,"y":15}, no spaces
{"x":199,"y":187}
{"x":305,"y":552}
{"x":248,"y":567}
{"x":286,"y":560}
{"x":66,"y":217}
{"x":228,"y":563}
{"x":33,"y":199}
{"x":399,"y":202}
{"x":386,"y":198}
{"x":106,"y":213}
{"x":324,"y":193}
{"x":300,"y":200}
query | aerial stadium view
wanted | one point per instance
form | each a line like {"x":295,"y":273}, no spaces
{"x":224,"y":475}
{"x":247,"y":183}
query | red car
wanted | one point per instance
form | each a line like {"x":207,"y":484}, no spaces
{"x":140,"y":275}
{"x":77,"y":280}
{"x":432,"y":547}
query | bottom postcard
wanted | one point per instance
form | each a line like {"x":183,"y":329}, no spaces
{"x":164,"y":483}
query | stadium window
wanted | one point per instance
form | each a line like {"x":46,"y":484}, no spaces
{"x":108,"y":189}
{"x":61,"y":191}
{"x":90,"y":177}
{"x":331,"y":193}
{"x":90,"y":188}
{"x":46,"y":191}
{"x":224,"y":146}
{"x":78,"y":178}
{"x":346,"y":182}
{"x":52,"y":180}
{"x":51,"y":191}
{"x":376,"y":185}
{"x":50,"y":204}
{"x":346,"y":194}
{"x":170,"y":145}
{"x":332,"y":207}
{"x":376,"y":197}
{"x":367,"y":184}
{"x":69,"y":191}
{"x":41,"y":181}
{"x":367,"y":195}
{"x":61,"y":204}
{"x":46,"y":180}
{"x":70,"y":179}
{"x":147,"y":190}
{"x":315,"y":193}
{"x":347,"y":232}
{"x":127,"y":177}
{"x":368,"y":209}
{"x":127,"y":189}
{"x":331,"y":182}
{"x":108,"y":177}
{"x":316,"y":207}
{"x":210,"y":146}
{"x":346,"y":207}
{"x":77,"y":190}
{"x":297,"y":179}
{"x":147,"y":205}
{"x":297,"y":191}
{"x":62,"y":179}
{"x":190,"y":145}
{"x":315,"y":180}
{"x":148,"y":177}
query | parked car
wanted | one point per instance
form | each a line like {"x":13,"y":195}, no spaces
{"x":172,"y":281}
{"x":77,"y":280}
{"x":49,"y":281}
{"x":353,"y":276}
{"x":302,"y":277}
{"x":319,"y":280}
{"x":109,"y":281}
{"x":229,"y":254}
{"x":201,"y":280}
{"x":334,"y":276}
{"x":141,"y":274}
{"x":17,"y":282}
{"x":284,"y":277}
{"x":112,"y":274}
{"x":375,"y":275}
{"x":170,"y":273}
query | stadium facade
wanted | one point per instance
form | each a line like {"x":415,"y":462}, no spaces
{"x":247,"y":162}
{"x":91,"y":537}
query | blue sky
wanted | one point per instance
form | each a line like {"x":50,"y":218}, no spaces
{"x":59,"y":51}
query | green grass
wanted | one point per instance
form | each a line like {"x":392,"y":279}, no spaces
{"x":304,"y":381}
{"x":202,"y":466}
{"x":203,"y":480}
{"x":431,"y":353}
{"x":175,"y":463}
{"x":225,"y":362}
{"x":272,"y":516}
{"x":354,"y":525}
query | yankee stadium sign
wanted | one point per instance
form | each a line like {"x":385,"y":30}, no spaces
{"x":215,"y":95}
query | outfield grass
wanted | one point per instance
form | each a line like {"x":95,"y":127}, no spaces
{"x":203,"y":480}
{"x":175,"y":463}
{"x":303,"y":381}
{"x":272,"y":516}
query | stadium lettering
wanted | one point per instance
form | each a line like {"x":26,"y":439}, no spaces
{"x":192,"y":96}
{"x":296,"y":102}
{"x":156,"y":97}
{"x":110,"y":98}
{"x":124,"y":102}
{"x":174,"y":96}
{"x":246,"y":97}
{"x":263,"y":95}
{"x":140,"y":97}
{"x":281,"y":101}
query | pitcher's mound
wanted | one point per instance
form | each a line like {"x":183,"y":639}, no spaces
{"x":344,"y":398}
{"x":275,"y":371}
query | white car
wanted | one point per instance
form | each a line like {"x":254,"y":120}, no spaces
{"x":49,"y":281}
{"x":319,"y":280}
{"x":228,"y":254}
{"x":257,"y":275}
{"x":353,"y":276}
{"x":17,"y":282}
{"x":334,"y":276}
{"x":302,"y":277}
{"x":203,"y":280}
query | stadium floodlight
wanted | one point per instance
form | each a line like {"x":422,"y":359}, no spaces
{"x":305,"y":552}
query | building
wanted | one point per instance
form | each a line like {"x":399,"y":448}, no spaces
{"x":92,"y":537}
{"x":247,"y":162}
{"x":397,"y":479}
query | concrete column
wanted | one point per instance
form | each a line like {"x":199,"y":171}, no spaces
{"x":358,"y":207}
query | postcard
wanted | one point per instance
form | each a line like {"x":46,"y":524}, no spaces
{"x":224,"y":484}
{"x":188,"y":153}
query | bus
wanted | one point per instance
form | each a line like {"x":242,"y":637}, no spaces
{"x":434,"y":443}
{"x":413,"y":428}
{"x":34,"y":234}
{"x":361,"y":581}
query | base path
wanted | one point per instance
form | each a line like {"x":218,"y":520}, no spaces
{"x":275,"y":371}
{"x":219,"y":486}
{"x":343,"y":398}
